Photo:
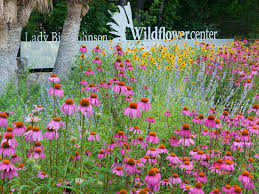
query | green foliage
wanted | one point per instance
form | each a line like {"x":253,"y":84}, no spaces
{"x":233,"y":18}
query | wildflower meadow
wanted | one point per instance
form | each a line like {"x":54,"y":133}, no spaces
{"x":136,"y":120}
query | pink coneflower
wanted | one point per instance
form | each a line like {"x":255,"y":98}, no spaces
{"x":130,"y":67}
{"x":119,"y":88}
{"x":11,"y":140}
{"x":99,"y":68}
{"x":129,"y":91}
{"x":152,"y":138}
{"x":167,"y":113}
{"x":93,"y":136}
{"x":127,"y":62}
{"x":145,"y":159}
{"x":227,"y":189}
{"x":199,"y":156}
{"x":210,"y":122}
{"x":215,"y":169}
{"x":185,"y":111}
{"x":197,"y":189}
{"x":186,"y":188}
{"x":3,"y":120}
{"x":174,"y":142}
{"x":32,"y":119}
{"x":97,"y":61}
{"x":245,"y":178}
{"x":152,"y":152}
{"x":94,"y":100}
{"x":215,"y":191}
{"x":152,"y":180}
{"x":196,"y":120}
{"x":236,"y":190}
{"x":19,"y":128}
{"x":15,"y":158}
{"x":38,"y":154}
{"x":201,"y":178}
{"x":142,"y":66}
{"x":120,"y":67}
{"x":224,"y":116}
{"x":77,"y":156}
{"x":185,"y":131}
{"x":162,"y":149}
{"x":166,"y":182}
{"x":68,"y":107}
{"x":218,"y":124}
{"x":51,"y":134}
{"x":8,"y":170}
{"x":186,"y":165}
{"x":131,"y":166}
{"x":54,"y":78}
{"x":42,"y":175}
{"x":101,"y":154}
{"x":6,"y":149}
{"x":56,"y":123}
{"x":228,"y":165}
{"x":173,"y":158}
{"x":85,"y":107}
{"x":132,"y":79}
{"x":83,"y":82}
{"x":97,"y":49}
{"x":144,"y":105}
{"x":33,"y":135}
{"x":57,"y":91}
{"x":186,"y":142}
{"x":175,"y":179}
{"x":228,"y":156}
{"x":83,"y":49}
{"x":89,"y":72}
{"x":118,"y":171}
{"x":108,"y":85}
{"x":135,"y":130}
{"x":120,"y":135}
{"x":132,"y":110}
{"x":118,"y":50}
{"x":212,"y":111}
{"x":150,"y":120}
{"x":245,"y":136}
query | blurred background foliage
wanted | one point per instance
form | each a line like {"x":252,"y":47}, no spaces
{"x":232,"y":18}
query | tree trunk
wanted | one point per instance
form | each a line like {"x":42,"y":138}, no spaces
{"x":69,"y":39}
{"x":123,"y":2}
{"x":12,"y":19}
{"x":140,"y":5}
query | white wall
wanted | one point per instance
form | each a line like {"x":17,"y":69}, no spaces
{"x":43,"y":54}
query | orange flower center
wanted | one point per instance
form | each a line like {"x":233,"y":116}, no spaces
{"x":151,"y":172}
{"x":133,"y":105}
{"x":185,"y":108}
{"x":93,"y":95}
{"x":57,"y":86}
{"x":19,"y":124}
{"x":211,"y":117}
{"x":162,"y":146}
{"x":198,"y":185}
{"x":175,"y":175}
{"x":6,"y":162}
{"x":145,"y":100}
{"x":131,"y":162}
{"x":69,"y":101}
{"x":121,"y":83}
{"x":57,"y":119}
{"x":84,"y":102}
{"x":186,"y":127}
{"x":35,"y":128}
{"x":3,"y":115}
{"x":8,"y":136}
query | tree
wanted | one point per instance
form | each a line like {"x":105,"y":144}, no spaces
{"x":14,"y":15}
{"x":76,"y":9}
